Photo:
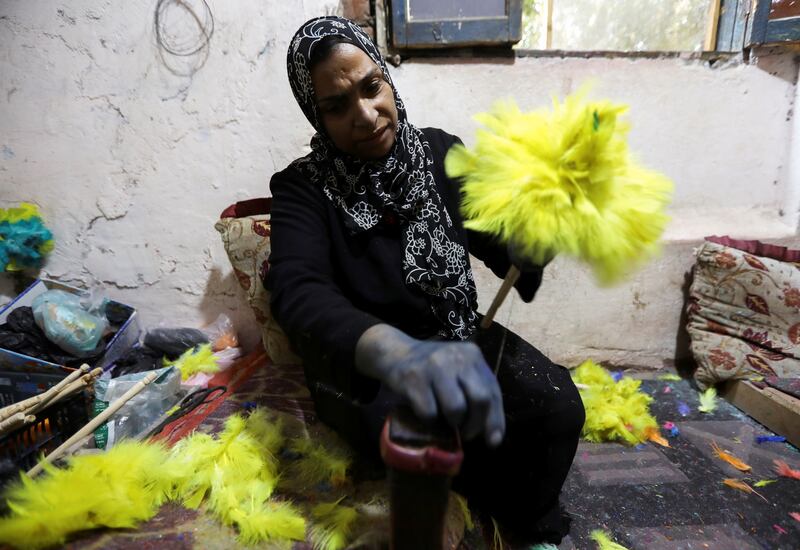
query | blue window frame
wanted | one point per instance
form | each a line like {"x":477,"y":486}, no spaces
{"x":775,"y":21}
{"x":454,"y":23}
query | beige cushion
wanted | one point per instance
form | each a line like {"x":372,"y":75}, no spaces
{"x":744,"y":311}
{"x":245,"y":231}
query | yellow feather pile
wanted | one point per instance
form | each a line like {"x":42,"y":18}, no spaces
{"x":318,"y":464}
{"x":333,"y":525}
{"x":197,"y":359}
{"x":118,"y":488}
{"x":238,"y":472}
{"x":604,"y":541}
{"x":615,"y":411}
{"x":562,"y":181}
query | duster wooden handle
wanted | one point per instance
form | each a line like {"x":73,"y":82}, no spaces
{"x":508,"y":283}
{"x":95,"y":422}
{"x":6,"y":412}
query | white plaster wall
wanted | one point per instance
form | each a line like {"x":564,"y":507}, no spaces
{"x":132,"y":164}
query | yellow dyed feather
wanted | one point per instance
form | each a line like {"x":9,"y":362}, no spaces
{"x":615,"y":411}
{"x":270,"y":522}
{"x":332,"y":525}
{"x":318,"y":464}
{"x":562,"y":181}
{"x":764,"y":482}
{"x":197,"y":359}
{"x":119,"y":488}
{"x":708,"y":400}
{"x":729,"y":458}
{"x":461,"y":502}
{"x":742,"y":486}
{"x":604,"y":541}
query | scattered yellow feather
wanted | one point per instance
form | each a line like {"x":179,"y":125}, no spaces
{"x":318,"y":464}
{"x":615,"y":411}
{"x":670,"y":377}
{"x":461,"y":502}
{"x":118,"y":488}
{"x":562,"y":181}
{"x":497,"y":538}
{"x":742,"y":486}
{"x":708,"y":400}
{"x":197,"y":359}
{"x":764,"y":482}
{"x":604,"y":541}
{"x":730,"y":459}
{"x":332,"y":526}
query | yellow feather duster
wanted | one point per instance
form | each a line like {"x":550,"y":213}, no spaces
{"x":197,"y":359}
{"x":118,"y":488}
{"x":614,"y":410}
{"x":562,"y":181}
{"x":333,"y":525}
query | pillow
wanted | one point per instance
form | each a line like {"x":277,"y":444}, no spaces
{"x":744,"y":311}
{"x":245,"y":230}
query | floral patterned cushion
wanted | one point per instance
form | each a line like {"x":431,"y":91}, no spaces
{"x":744,"y":311}
{"x":245,"y":230}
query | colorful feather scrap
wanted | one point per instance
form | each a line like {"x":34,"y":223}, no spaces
{"x":729,"y":458}
{"x":562,"y":181}
{"x":604,"y":541}
{"x":198,"y":359}
{"x":742,"y":486}
{"x":708,"y":400}
{"x":614,"y":411}
{"x":119,"y":488}
{"x":24,"y":240}
{"x":785,"y":470}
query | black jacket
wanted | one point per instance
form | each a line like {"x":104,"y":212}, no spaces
{"x":328,"y":286}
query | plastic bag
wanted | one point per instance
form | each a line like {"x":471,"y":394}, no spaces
{"x":140,"y":411}
{"x":221,"y":333}
{"x":172,"y":342}
{"x":73,"y":326}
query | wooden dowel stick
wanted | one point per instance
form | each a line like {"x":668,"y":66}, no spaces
{"x":5,"y":412}
{"x":508,"y":283}
{"x":95,"y":422}
{"x":15,"y":421}
{"x":78,"y":385}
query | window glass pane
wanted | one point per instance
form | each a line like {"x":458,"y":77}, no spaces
{"x":618,"y":25}
{"x":455,"y":9}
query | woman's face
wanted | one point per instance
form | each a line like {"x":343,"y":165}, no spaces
{"x":356,"y":105}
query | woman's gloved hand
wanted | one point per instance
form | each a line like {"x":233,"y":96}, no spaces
{"x":436,"y":377}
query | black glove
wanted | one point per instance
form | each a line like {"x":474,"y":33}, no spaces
{"x":436,"y":377}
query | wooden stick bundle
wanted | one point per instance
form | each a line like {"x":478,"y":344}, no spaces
{"x":6,"y":412}
{"x":94,"y":422}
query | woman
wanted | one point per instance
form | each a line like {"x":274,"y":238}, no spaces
{"x":371,"y":280}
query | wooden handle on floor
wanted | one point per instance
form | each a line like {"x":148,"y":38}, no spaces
{"x":95,"y":422}
{"x":511,"y":279}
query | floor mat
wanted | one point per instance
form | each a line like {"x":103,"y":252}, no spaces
{"x":646,"y":497}
{"x":651,"y":497}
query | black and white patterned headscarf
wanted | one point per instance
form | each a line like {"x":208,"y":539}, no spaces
{"x":401,"y":184}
